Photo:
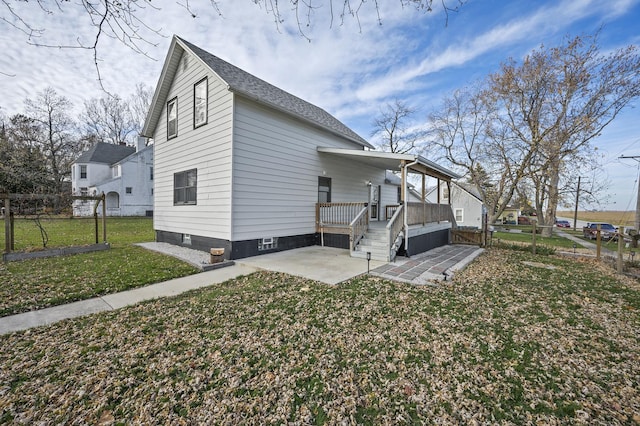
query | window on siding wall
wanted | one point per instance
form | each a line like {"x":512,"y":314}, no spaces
{"x":445,"y":193}
{"x":459,"y":215}
{"x":185,"y":187}
{"x":83,"y":172}
{"x":150,"y":173}
{"x":172,"y":118}
{"x":324,"y":189}
{"x":200,"y":103}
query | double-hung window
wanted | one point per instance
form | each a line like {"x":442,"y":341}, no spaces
{"x":172,"y":118}
{"x":185,"y":187}
{"x":459,"y":213}
{"x":200,"y":103}
{"x":83,"y":172}
{"x":324,"y":189}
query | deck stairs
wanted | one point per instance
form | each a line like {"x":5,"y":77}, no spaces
{"x":376,"y":241}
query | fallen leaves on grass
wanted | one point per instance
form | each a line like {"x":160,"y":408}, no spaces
{"x":503,"y":343}
{"x":41,"y":283}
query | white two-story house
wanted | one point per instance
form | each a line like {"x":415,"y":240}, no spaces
{"x":245,"y":166}
{"x":123,"y":173}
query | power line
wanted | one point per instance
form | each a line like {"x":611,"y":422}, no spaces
{"x":637,"y":221}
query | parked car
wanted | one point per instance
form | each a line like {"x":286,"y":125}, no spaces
{"x":561,"y":223}
{"x":607,"y":231}
{"x":523,"y":220}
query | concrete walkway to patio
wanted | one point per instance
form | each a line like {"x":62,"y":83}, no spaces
{"x":325,"y":264}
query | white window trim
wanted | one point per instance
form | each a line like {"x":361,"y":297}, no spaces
{"x":455,"y":214}
{"x":173,"y":102}
{"x":205,"y":105}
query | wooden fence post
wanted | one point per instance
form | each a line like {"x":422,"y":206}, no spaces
{"x":534,"y":236}
{"x":104,"y":218}
{"x":620,"y":247}
{"x":598,"y":241}
{"x":8,"y":243}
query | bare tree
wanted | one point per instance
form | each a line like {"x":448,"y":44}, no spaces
{"x":393,"y":128}
{"x":139,"y":104}
{"x":557,"y":101}
{"x":473,"y":140}
{"x":110,"y":119}
{"x":57,"y":137}
{"x":123,"y":20}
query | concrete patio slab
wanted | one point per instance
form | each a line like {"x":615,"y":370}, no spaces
{"x":325,"y":264}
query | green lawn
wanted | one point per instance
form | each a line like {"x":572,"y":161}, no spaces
{"x":39,"y":283}
{"x":526,"y":236}
{"x":536,"y":340}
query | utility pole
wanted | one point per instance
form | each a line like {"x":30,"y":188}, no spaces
{"x":575,"y":213}
{"x":637,"y":221}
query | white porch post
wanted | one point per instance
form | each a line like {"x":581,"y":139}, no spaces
{"x":405,"y":168}
{"x":424,"y":196}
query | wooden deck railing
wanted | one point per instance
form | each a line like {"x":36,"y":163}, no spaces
{"x":394,"y":229}
{"x":389,"y":210}
{"x":422,"y":213}
{"x":336,"y":215}
{"x":358,"y":227}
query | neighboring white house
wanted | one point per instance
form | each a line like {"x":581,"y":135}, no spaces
{"x":465,"y":201}
{"x":243,"y":165}
{"x":123,"y":173}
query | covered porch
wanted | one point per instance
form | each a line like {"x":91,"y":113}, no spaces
{"x":409,"y":226}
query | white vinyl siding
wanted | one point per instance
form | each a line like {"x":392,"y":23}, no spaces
{"x":206,"y":148}
{"x":276,"y":169}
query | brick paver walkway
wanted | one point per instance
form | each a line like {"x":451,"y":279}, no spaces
{"x":430,"y":265}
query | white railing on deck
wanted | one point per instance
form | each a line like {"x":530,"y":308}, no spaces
{"x":358,"y":227}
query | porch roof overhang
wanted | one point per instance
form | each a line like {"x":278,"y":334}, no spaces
{"x":393,"y":161}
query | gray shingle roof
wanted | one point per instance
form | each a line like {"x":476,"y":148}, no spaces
{"x":471,"y":189}
{"x":246,"y":84}
{"x":105,"y":153}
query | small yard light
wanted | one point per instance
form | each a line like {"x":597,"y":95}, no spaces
{"x":574,"y":248}
{"x":368,"y":260}
{"x":632,"y":254}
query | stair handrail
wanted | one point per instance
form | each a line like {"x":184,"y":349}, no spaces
{"x":358,"y":227}
{"x":394,"y":229}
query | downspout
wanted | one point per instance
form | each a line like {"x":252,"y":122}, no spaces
{"x":406,"y":205}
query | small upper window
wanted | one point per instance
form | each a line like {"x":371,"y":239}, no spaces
{"x":129,"y":190}
{"x":200,"y":103}
{"x":150,"y":173}
{"x":83,"y":172}
{"x":172,"y":118}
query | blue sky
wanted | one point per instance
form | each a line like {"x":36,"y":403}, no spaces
{"x":351,"y":69}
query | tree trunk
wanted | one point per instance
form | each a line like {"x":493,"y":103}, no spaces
{"x":552,"y":204}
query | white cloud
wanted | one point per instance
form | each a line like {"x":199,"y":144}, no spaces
{"x":349,"y":68}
